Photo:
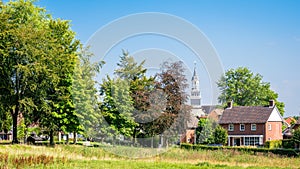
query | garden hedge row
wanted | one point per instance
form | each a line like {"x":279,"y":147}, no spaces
{"x":282,"y":152}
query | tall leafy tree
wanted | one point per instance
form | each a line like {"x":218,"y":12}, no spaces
{"x":172,"y":81}
{"x":37,"y":56}
{"x":62,"y":115}
{"x":21,"y":55}
{"x":141,"y":88}
{"x":246,"y":89}
{"x":84,"y":94}
{"x":117,"y":106}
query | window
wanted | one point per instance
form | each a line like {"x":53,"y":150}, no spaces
{"x":230,"y":127}
{"x":270,"y":126}
{"x":242,"y":127}
{"x":252,"y":141}
{"x":253,"y":127}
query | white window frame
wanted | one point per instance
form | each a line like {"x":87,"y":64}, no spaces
{"x":269,"y":127}
{"x":252,"y":141}
{"x":241,"y":127}
{"x":253,"y":127}
{"x":230,"y":127}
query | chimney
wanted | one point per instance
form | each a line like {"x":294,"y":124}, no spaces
{"x":271,"y":103}
{"x":229,"y":105}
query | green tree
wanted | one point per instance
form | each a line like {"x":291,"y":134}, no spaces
{"x":5,"y":121}
{"x":220,"y":135}
{"x":84,"y":94}
{"x":21,"y":57}
{"x":205,"y":131}
{"x":61,"y":115}
{"x":117,"y":106}
{"x":141,"y":88}
{"x":296,"y":136}
{"x":246,"y":89}
{"x":37,"y":56}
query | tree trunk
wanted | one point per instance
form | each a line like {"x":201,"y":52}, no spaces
{"x":51,"y":137}
{"x":6,"y":134}
{"x":152,"y":141}
{"x":25,"y":137}
{"x":167,"y":142}
{"x":67,"y":138}
{"x":15,"y":124}
{"x":75,"y":138}
{"x":134,"y":137}
{"x":59,"y":136}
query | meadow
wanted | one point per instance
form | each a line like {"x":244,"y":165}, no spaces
{"x":76,"y":156}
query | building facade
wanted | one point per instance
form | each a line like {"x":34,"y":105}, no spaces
{"x":252,"y":125}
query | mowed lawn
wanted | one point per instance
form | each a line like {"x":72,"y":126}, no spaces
{"x":71,"y":156}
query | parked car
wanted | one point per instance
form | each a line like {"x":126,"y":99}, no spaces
{"x":33,"y":138}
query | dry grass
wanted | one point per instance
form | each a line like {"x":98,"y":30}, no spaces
{"x":63,"y":156}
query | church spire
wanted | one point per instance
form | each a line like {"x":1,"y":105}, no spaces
{"x":195,"y":92}
{"x":195,"y":76}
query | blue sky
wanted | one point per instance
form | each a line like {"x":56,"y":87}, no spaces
{"x":261,"y":35}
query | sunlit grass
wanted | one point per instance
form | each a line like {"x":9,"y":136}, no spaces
{"x":74,"y":156}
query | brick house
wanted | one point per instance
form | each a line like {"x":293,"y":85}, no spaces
{"x":252,"y":125}
{"x":189,"y":135}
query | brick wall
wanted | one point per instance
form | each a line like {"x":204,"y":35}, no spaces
{"x":188,"y":137}
{"x":274,"y":132}
{"x":260,"y":128}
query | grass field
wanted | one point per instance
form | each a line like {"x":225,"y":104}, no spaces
{"x":71,"y":156}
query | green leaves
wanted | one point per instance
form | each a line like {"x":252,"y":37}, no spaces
{"x":246,"y":89}
{"x":37,"y":59}
{"x":117,"y":106}
{"x":220,"y":135}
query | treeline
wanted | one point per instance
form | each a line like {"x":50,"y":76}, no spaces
{"x":48,"y":81}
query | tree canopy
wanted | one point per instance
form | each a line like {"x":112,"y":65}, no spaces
{"x":245,"y":88}
{"x":37,"y":58}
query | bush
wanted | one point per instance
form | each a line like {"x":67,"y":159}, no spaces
{"x":273,"y":144}
{"x":286,"y":152}
{"x":186,"y":146}
{"x":282,"y":152}
{"x":288,"y":144}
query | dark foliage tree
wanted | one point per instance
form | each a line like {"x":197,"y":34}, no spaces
{"x":173,"y":83}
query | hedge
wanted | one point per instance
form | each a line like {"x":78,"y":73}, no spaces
{"x":288,"y":143}
{"x":282,"y":152}
{"x":273,"y":144}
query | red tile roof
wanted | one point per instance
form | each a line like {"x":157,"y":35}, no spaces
{"x":289,"y":120}
{"x":246,"y":114}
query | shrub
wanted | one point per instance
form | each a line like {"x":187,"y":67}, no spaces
{"x":286,"y":152}
{"x":288,"y":144}
{"x":220,"y":135}
{"x":282,"y":152}
{"x":186,"y":146}
{"x":273,"y":144}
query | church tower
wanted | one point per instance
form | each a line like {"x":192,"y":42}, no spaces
{"x":195,"y":92}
